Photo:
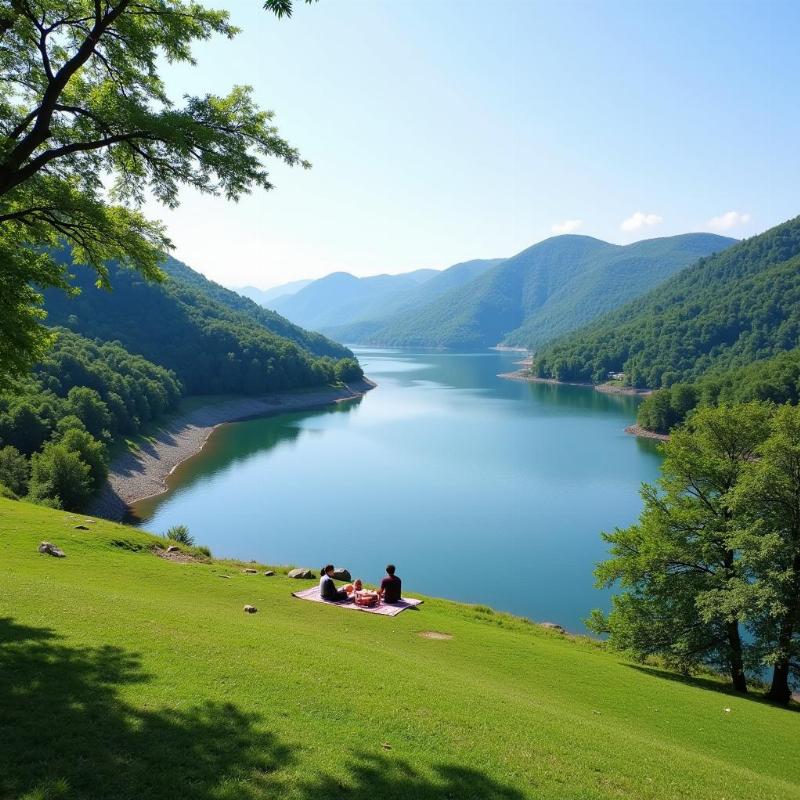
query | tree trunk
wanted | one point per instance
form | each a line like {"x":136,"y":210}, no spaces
{"x":736,"y":661}
{"x":779,"y":691}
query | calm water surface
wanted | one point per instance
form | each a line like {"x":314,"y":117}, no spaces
{"x":480,"y":489}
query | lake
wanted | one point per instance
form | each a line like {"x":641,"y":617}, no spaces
{"x":479,"y":488}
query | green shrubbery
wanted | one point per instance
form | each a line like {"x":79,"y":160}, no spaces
{"x":776,"y":379}
{"x":180,"y":533}
{"x":55,"y":425}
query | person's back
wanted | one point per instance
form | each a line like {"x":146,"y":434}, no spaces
{"x":391,"y":586}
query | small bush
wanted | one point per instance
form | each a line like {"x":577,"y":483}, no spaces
{"x":180,"y":534}
{"x":206,"y":551}
{"x":6,"y":493}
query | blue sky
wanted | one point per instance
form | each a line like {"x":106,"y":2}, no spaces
{"x":443,"y":130}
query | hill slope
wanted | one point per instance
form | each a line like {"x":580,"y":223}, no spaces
{"x":125,"y":675}
{"x":215,"y":340}
{"x":264,"y":296}
{"x":372,"y":317}
{"x":552,"y":287}
{"x":340,"y":297}
{"x":738,"y":306}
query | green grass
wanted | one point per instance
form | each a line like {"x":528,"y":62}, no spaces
{"x":123,"y":675}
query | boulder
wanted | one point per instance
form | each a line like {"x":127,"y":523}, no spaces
{"x":269,"y":573}
{"x":305,"y":574}
{"x":48,"y":549}
{"x":250,"y":609}
{"x":249,"y":571}
{"x":173,"y":548}
{"x":342,"y":574}
{"x":552,"y":626}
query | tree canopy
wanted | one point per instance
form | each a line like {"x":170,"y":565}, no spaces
{"x":710,"y":574}
{"x":87,"y":128}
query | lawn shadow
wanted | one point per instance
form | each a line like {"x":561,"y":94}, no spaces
{"x":65,"y":732}
{"x":389,"y":778}
{"x":707,"y":683}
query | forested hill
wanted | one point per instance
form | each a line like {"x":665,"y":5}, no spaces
{"x":214,"y":340}
{"x":552,"y":287}
{"x":725,"y":311}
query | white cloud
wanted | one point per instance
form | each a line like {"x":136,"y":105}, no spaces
{"x":567,"y":226}
{"x":728,"y":220}
{"x":640,"y":220}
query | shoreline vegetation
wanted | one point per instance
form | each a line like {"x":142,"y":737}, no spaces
{"x":141,"y":471}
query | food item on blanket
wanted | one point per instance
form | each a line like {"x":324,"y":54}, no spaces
{"x":366,"y":598}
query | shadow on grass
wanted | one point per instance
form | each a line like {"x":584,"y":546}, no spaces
{"x":709,"y":684}
{"x":389,"y":778}
{"x":67,"y":733}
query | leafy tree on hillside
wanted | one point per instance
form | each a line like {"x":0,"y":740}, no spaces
{"x":90,"y":451}
{"x":60,"y":477}
{"x":80,"y":99}
{"x":684,"y":567}
{"x":14,"y":470}
{"x":768,"y":500}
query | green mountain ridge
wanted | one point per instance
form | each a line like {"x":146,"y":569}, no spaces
{"x":215,"y":340}
{"x":551,"y":287}
{"x":371,"y":318}
{"x":725,"y":311}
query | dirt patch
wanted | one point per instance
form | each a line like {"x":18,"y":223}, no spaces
{"x":177,"y":556}
{"x":435,"y":635}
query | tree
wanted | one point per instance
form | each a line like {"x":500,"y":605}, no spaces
{"x":14,"y":470}
{"x":81,"y":99}
{"x":59,"y":474}
{"x":768,"y":497}
{"x":91,"y":452}
{"x":685,"y":586}
{"x":348,"y":369}
{"x":87,"y":405}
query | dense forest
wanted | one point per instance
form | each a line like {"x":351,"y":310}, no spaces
{"x":548,"y":289}
{"x":214,"y":340}
{"x":56,"y":424}
{"x":724,"y":312}
{"x":776,"y":379}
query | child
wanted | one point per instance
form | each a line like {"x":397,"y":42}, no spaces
{"x":362,"y":596}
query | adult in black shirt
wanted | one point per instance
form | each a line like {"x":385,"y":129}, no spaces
{"x":390,"y":586}
{"x":327,"y":588}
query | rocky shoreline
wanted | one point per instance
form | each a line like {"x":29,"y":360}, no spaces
{"x":605,"y":388}
{"x":137,"y":475}
{"x":643,"y":433}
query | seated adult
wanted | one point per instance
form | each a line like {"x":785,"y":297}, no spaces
{"x":327,"y":588}
{"x":390,"y":586}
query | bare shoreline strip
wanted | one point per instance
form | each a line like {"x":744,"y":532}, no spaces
{"x":137,"y":475}
{"x":605,"y":388}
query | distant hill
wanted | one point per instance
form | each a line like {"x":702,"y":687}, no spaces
{"x":552,"y":287}
{"x":215,"y":340}
{"x":265,"y":296}
{"x":722,"y":312}
{"x":341,"y":298}
{"x":373,"y":316}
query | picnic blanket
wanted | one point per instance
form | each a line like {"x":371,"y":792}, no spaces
{"x":386,"y":609}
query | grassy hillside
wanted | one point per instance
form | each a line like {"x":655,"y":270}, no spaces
{"x":215,"y":340}
{"x":552,"y":287}
{"x":723,"y":312}
{"x":123,"y":675}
